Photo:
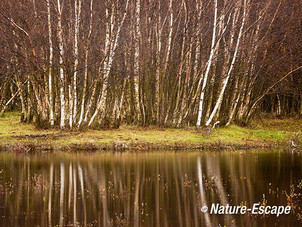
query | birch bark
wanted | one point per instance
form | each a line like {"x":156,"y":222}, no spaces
{"x":62,"y":77}
{"x":137,"y":36}
{"x":208,"y":68}
{"x":231,"y":67}
{"x":78,"y":5}
{"x":157,"y":73}
{"x":51,"y":114}
{"x":86,"y":66}
{"x":101,"y":103}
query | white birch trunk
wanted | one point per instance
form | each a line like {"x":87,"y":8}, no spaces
{"x":278,"y":106}
{"x":107,"y":68}
{"x":157,"y":73}
{"x":9,"y":101}
{"x":51,"y":114}
{"x":169,"y":46}
{"x":197,"y":50}
{"x":86,"y":67}
{"x":76,"y":55}
{"x":234,"y":101}
{"x":70,"y":105}
{"x":109,"y":30}
{"x":62,"y":77}
{"x":227,"y":57}
{"x":179,"y":72}
{"x":118,"y":111}
{"x":230,"y":69}
{"x":208,"y":69}
{"x":137,"y":36}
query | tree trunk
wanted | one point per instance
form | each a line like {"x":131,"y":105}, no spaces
{"x":137,"y":37}
{"x":62,"y":77}
{"x":107,"y":68}
{"x":230,"y":69}
{"x":86,"y":66}
{"x":208,"y":69}
{"x":77,"y":9}
{"x":51,"y":114}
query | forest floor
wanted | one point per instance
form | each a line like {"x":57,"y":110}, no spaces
{"x":268,"y":132}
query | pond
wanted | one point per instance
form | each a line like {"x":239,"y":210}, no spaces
{"x":148,"y":188}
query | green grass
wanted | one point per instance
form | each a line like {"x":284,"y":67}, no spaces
{"x":269,"y":132}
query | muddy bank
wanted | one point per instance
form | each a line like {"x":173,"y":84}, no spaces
{"x":28,"y":147}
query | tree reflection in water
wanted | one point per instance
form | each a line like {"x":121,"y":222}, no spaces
{"x":145,"y":189}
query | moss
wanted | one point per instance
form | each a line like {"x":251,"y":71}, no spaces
{"x":274,"y":132}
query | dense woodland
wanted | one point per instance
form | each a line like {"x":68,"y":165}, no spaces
{"x":92,"y":63}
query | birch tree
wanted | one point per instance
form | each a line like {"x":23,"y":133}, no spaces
{"x":107,"y":66}
{"x":231,"y":66}
{"x":51,"y":114}
{"x":137,"y":37}
{"x":77,"y":13}
{"x":62,"y":77}
{"x":168,"y":63}
{"x":205,"y":77}
{"x":87,"y":44}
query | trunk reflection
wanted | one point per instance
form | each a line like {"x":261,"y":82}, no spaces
{"x":147,"y":189}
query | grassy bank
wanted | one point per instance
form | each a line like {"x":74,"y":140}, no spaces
{"x":266,"y":133}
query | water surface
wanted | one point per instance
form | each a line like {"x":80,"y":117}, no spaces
{"x":146,"y":189}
